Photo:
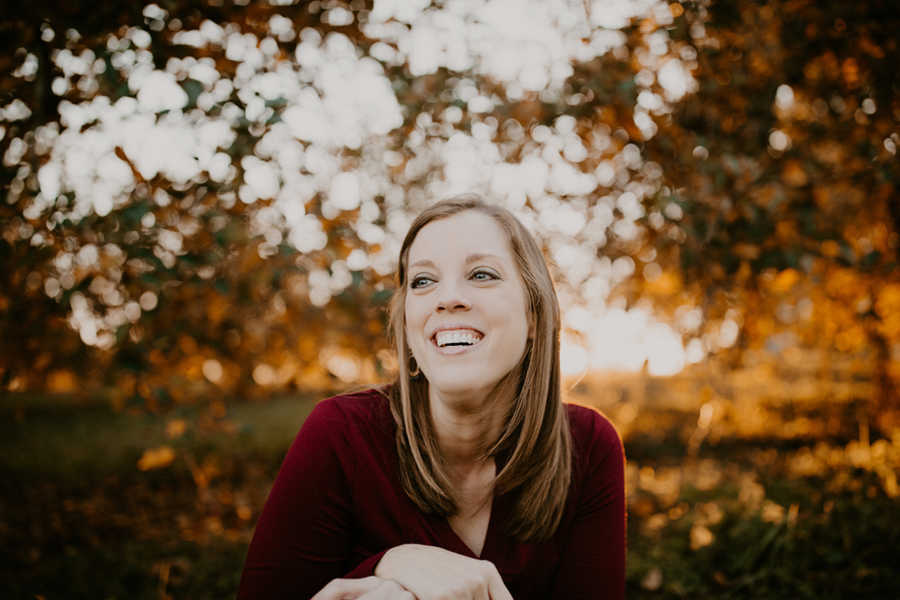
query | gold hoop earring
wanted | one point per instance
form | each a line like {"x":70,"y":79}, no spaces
{"x":413,"y":368}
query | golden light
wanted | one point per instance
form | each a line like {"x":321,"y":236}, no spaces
{"x":620,"y":340}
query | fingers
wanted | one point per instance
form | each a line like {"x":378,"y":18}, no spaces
{"x":476,"y":582}
{"x":430,"y":573}
{"x":388,"y":590}
{"x":347,"y":589}
{"x":495,"y":586}
{"x":482,"y":585}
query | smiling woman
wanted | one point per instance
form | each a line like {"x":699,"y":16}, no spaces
{"x":467,"y":477}
{"x":465,"y":299}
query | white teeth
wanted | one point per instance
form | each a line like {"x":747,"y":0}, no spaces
{"x":457,"y":336}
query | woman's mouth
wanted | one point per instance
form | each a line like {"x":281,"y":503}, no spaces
{"x":453,"y":341}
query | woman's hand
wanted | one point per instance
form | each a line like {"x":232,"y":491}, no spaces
{"x":432,"y":573}
{"x":367,"y":588}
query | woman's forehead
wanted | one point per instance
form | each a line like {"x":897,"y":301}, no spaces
{"x":463,"y":234}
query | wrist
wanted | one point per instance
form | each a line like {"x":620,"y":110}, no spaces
{"x":393,"y":556}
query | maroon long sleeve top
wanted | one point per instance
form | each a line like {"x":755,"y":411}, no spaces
{"x":337,"y":506}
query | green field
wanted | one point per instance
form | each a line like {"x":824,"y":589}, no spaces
{"x":714,"y":511}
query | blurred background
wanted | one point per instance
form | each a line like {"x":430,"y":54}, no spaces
{"x":203,"y":202}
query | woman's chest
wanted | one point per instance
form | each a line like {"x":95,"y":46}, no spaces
{"x":471,"y":526}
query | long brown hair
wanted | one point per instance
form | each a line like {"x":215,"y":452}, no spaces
{"x":534,"y":451}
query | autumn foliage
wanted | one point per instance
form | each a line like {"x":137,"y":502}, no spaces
{"x":202,"y":202}
{"x":739,"y":158}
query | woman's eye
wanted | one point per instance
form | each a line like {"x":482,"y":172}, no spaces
{"x":420,"y":281}
{"x":483,"y":275}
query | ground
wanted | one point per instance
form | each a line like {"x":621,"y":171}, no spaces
{"x":718,"y":507}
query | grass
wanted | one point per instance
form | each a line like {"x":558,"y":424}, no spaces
{"x":68,"y":442}
{"x":741,"y":517}
{"x":78,"y":519}
{"x":844,"y":551}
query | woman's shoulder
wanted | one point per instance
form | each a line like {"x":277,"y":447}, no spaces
{"x":365,"y":408}
{"x":361,"y":402}
{"x":591,"y":430}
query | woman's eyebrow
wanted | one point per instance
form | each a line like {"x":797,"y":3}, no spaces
{"x":422,"y":263}
{"x":469,"y":259}
{"x":481,"y":256}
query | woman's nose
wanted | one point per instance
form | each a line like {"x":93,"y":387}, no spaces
{"x":452,"y":305}
{"x":452,"y":300}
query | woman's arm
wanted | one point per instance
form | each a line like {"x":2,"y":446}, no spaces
{"x":593,"y":559}
{"x":367,"y":588}
{"x":303,"y":535}
{"x":430,"y":573}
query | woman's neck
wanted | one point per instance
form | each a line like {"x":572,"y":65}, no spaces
{"x":468,"y":425}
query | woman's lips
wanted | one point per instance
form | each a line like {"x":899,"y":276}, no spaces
{"x":456,"y":340}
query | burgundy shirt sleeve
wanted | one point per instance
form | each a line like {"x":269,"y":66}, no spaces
{"x":593,"y":555}
{"x":303,"y":535}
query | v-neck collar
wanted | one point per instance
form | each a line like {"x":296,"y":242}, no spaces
{"x":491,"y":549}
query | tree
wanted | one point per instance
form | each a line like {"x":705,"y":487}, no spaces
{"x":784,"y":167}
{"x":212,"y":196}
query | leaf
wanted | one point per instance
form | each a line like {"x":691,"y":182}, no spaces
{"x":156,"y":458}
{"x":176,"y":428}
{"x":793,"y":174}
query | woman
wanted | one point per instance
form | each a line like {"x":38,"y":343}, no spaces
{"x":468,"y":477}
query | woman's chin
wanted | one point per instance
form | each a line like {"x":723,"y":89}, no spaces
{"x":446,"y":384}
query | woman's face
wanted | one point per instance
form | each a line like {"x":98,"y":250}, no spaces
{"x":467,"y":319}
